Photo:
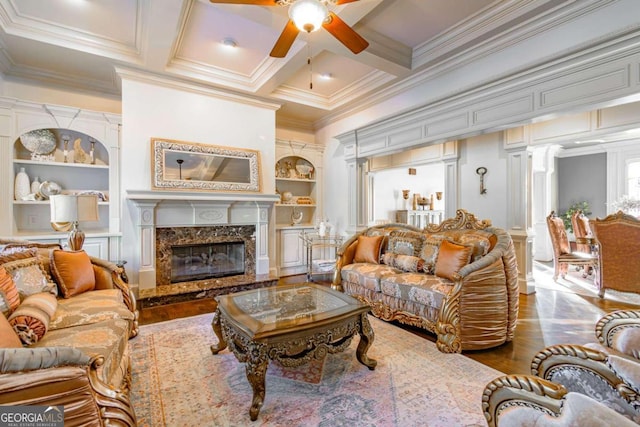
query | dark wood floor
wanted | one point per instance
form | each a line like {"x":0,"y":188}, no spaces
{"x":555,"y":314}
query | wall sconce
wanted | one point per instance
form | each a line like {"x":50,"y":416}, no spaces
{"x":438,"y":195}
{"x":73,"y":209}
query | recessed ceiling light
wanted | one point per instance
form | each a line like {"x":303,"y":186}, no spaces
{"x":326,"y":76}
{"x":229,"y":42}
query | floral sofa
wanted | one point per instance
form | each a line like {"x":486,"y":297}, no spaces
{"x":595,"y":384}
{"x":64,"y":331}
{"x":457,"y":280}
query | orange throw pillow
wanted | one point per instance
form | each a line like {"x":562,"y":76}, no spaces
{"x":368,"y":249}
{"x":9,"y":296}
{"x":451,"y":258}
{"x":8,"y":337}
{"x":73,"y":271}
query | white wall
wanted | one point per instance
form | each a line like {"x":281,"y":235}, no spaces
{"x":155,"y":111}
{"x":388,"y":185}
{"x":484,"y":151}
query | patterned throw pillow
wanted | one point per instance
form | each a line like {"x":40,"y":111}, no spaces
{"x":368,"y":249}
{"x":408,"y":263}
{"x":9,"y":297}
{"x":479,"y":242}
{"x":429,"y":252}
{"x":404,"y":242}
{"x":31,"y":319}
{"x":28,"y":273}
{"x":73,"y":271}
{"x":451,"y":258}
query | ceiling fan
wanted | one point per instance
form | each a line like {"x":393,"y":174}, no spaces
{"x":309,"y":16}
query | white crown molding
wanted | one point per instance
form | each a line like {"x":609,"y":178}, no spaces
{"x":341,"y":97}
{"x":466,"y":57}
{"x":172,"y":83}
{"x":13,"y":23}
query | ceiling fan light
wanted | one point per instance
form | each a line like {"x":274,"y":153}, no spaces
{"x":308,"y":15}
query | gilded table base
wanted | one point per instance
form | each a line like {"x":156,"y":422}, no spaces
{"x":290,"y":349}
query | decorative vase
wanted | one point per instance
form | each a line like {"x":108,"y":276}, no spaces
{"x":322,"y":228}
{"x":35,"y":185}
{"x":21,"y":188}
{"x":296,"y":216}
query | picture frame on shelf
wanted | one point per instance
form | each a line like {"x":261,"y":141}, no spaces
{"x":180,"y":165}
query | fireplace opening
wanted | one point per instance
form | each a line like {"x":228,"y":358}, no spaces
{"x":206,"y":260}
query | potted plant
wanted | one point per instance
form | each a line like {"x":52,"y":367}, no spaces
{"x":566,"y":217}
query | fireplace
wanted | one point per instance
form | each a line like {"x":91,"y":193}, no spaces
{"x":202,"y":254}
{"x":206,"y":260}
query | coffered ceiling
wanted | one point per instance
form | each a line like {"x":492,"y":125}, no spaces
{"x":81,"y":43}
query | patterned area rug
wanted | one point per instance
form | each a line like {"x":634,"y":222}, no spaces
{"x":178,"y":382}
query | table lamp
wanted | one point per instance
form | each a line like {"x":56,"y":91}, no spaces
{"x":73,"y":209}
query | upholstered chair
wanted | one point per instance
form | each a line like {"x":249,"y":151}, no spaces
{"x":562,"y":254}
{"x":585,"y":242}
{"x":591,"y":385}
{"x":618,"y":239}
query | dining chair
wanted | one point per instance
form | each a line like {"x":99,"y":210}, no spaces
{"x":562,"y":254}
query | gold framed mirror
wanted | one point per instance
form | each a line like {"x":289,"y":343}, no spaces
{"x":179,"y":165}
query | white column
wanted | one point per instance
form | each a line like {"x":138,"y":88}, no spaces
{"x":146,"y":225}
{"x":545,"y":189}
{"x":450,"y":187}
{"x":519,"y":213}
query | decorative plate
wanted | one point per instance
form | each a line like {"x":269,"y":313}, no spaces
{"x":49,"y":188}
{"x":304,"y":168}
{"x":41,"y":141}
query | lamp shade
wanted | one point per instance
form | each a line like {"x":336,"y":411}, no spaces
{"x":308,"y":15}
{"x":74,"y":208}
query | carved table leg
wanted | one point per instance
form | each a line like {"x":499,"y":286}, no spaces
{"x":217,"y":329}
{"x":366,"y":339}
{"x":256,"y":369}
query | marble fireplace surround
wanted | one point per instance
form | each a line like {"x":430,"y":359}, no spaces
{"x":179,"y":209}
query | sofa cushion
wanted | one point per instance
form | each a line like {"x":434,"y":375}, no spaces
{"x":107,"y":338}
{"x":368,"y":249}
{"x":406,"y":263}
{"x":73,"y":271}
{"x":90,"y":307}
{"x":405,"y":242}
{"x":8,"y":337}
{"x":478,"y":240}
{"x":31,"y":319}
{"x":367,"y":275}
{"x":451,"y":258}
{"x":9,"y":297}
{"x":28,"y":273}
{"x":421,"y":288}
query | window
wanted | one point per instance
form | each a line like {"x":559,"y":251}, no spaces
{"x":633,"y":179}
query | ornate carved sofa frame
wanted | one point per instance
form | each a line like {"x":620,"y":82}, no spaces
{"x":70,"y":365}
{"x":475,"y":310}
{"x":575,"y":385}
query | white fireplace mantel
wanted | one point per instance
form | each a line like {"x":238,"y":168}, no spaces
{"x":187,"y":208}
{"x":153,"y":195}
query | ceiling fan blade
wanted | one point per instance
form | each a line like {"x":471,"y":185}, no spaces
{"x":286,"y":39}
{"x":347,"y":36}
{"x":256,"y":2}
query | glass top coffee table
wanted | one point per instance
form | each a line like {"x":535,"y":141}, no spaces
{"x":291,"y":324}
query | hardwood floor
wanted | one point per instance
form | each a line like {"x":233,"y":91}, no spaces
{"x":564,"y":312}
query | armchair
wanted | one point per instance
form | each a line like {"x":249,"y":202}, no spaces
{"x":562,"y":254}
{"x":618,"y":238}
{"x":595,"y":384}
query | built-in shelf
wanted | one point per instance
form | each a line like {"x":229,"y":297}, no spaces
{"x":295,"y":179}
{"x":295,"y":205}
{"x":59,"y":164}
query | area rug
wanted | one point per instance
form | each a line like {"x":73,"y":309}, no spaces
{"x":177,"y":381}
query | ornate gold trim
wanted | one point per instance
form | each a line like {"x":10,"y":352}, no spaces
{"x":462,"y":220}
{"x":115,"y":406}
